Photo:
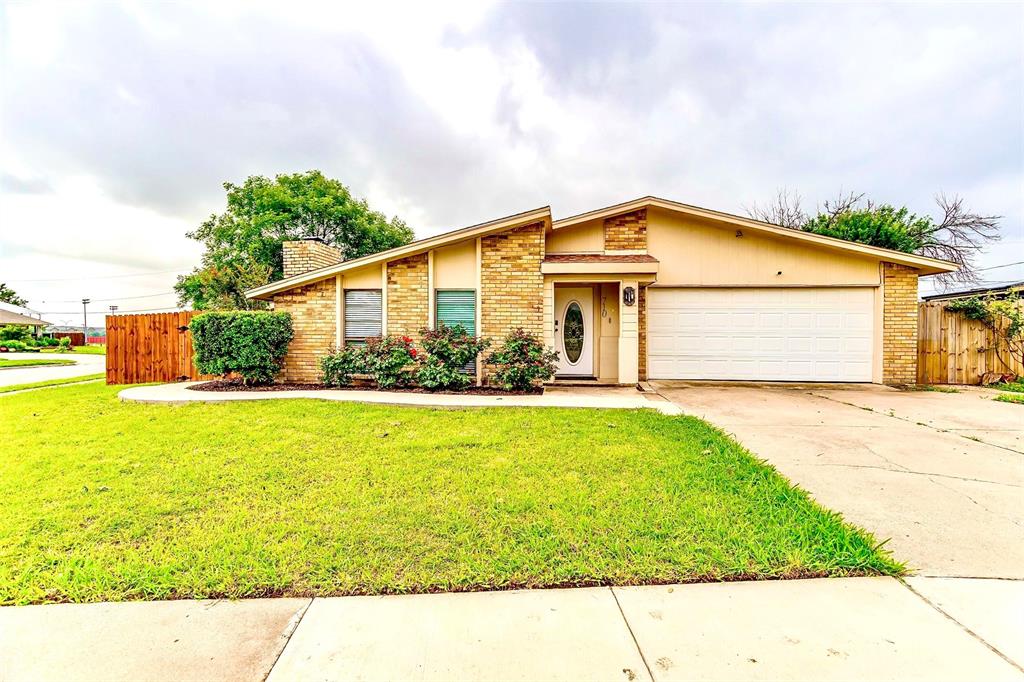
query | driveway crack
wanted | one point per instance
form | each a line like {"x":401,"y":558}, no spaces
{"x":904,"y":470}
{"x":893,"y":415}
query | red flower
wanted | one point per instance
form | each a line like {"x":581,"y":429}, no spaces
{"x":412,"y":352}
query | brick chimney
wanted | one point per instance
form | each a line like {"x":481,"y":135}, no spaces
{"x":308,"y":254}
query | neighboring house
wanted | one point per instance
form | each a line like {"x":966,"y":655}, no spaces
{"x":648,"y":289}
{"x":14,"y":314}
{"x":984,"y":292}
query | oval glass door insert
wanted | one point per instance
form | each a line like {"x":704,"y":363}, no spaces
{"x":573,"y":332}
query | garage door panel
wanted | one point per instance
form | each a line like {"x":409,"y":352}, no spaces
{"x":760,"y":334}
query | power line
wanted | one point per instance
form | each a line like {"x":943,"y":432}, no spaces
{"x":1004,"y":265}
{"x":120,"y":298}
{"x":75,"y":312}
{"x":84,"y":279}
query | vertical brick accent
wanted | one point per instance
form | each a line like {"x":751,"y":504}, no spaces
{"x":312,"y":308}
{"x":511,"y":283}
{"x":899,"y":324}
{"x":308,"y":254}
{"x":626,"y":232}
{"x":408,"y":294}
{"x":641,"y":303}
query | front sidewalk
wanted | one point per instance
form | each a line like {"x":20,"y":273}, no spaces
{"x":852,"y":628}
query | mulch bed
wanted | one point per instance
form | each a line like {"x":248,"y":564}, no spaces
{"x":225,"y":386}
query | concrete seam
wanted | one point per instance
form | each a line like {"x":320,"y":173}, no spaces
{"x":908,"y":421}
{"x":636,"y":643}
{"x":966,"y":629}
{"x":289,"y":632}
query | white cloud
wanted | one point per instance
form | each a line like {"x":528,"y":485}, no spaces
{"x":120,"y":122}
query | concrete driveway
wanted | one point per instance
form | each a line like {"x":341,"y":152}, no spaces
{"x":940,"y":475}
{"x":84,"y":364}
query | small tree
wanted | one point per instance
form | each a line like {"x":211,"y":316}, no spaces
{"x":251,"y":344}
{"x":448,"y":351}
{"x":522,"y":361}
{"x":15,"y":332}
{"x":1004,"y":318}
{"x":7,"y":295}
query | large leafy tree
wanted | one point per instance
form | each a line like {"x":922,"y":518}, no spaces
{"x":7,"y":295}
{"x":957,"y":236}
{"x":243,"y":244}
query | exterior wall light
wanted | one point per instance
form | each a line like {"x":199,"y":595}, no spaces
{"x":629,"y":296}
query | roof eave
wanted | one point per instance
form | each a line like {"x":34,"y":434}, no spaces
{"x":542,"y":214}
{"x":926,"y":265}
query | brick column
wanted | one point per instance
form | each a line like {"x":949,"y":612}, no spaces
{"x":408,"y":294}
{"x":899,"y":324}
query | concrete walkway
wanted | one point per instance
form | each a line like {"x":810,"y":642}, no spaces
{"x":84,"y":364}
{"x":854,"y":628}
{"x":597,"y":397}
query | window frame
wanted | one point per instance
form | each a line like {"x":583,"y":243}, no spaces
{"x":360,"y":340}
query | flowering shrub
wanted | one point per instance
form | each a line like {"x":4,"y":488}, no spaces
{"x":387,"y":358}
{"x":448,"y":351}
{"x":337,"y":368}
{"x":522,"y":361}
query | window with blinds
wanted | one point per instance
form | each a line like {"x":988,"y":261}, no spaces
{"x":454,"y":307}
{"x":362,"y":315}
{"x":457,"y":307}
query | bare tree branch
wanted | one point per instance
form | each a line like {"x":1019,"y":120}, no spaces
{"x":958,"y":238}
{"x":843,"y":203}
{"x":784,"y":210}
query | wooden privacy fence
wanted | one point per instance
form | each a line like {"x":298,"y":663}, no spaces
{"x":952,"y":349}
{"x":149,"y":348}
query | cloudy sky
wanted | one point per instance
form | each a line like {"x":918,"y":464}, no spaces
{"x":119,"y":122}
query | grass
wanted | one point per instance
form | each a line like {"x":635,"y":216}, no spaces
{"x":105,"y":500}
{"x":1016,"y":398}
{"x":4,"y":362}
{"x":81,"y":350}
{"x":51,"y":382}
{"x":935,"y":388}
{"x":1013,"y":387}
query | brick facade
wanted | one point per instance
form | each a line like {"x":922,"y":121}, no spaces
{"x":512,"y":286}
{"x":408,"y":302}
{"x":626,"y":232}
{"x":308,"y":254}
{"x":899,"y":324}
{"x":641,"y":306}
{"x":313,"y":312}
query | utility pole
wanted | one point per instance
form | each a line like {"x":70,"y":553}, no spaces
{"x":85,"y":322}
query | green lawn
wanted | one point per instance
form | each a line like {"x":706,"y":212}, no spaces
{"x":34,"y":362}
{"x":105,"y":500}
{"x":1016,"y":398}
{"x":52,"y":382}
{"x":81,"y":350}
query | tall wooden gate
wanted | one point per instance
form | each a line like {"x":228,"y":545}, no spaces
{"x":150,"y":348}
{"x":952,"y":349}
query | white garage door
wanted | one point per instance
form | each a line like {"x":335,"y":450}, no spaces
{"x":760,"y":334}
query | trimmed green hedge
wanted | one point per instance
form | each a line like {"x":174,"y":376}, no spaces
{"x":249,"y":343}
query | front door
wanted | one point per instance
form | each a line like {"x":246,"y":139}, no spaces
{"x":574,"y":332}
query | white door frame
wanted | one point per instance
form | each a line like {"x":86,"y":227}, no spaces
{"x":583,"y":297}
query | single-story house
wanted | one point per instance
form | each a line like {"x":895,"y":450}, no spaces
{"x":21,"y":316}
{"x":999,"y":292}
{"x":647,"y":289}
